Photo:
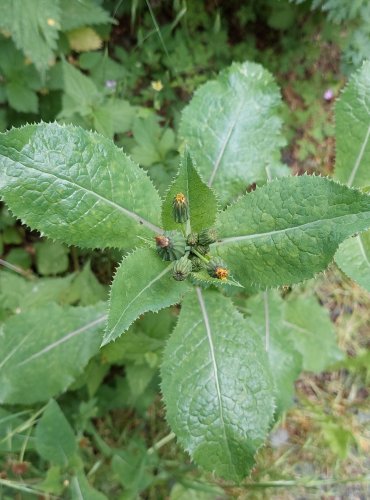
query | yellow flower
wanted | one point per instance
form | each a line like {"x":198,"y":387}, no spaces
{"x":157,"y":86}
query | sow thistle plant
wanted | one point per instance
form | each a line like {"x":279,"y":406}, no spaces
{"x":205,"y":243}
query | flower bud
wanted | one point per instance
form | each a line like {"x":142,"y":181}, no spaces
{"x":180,"y":208}
{"x":171,"y":245}
{"x":192,"y":239}
{"x":181,"y":268}
{"x":207,"y":236}
{"x":218,"y":269}
{"x":196,"y":264}
{"x":202,"y":249}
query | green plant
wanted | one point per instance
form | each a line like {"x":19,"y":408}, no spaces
{"x":77,"y":187}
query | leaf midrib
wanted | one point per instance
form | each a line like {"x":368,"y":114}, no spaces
{"x":362,"y":250}
{"x":63,"y":339}
{"x":235,"y":239}
{"x":148,"y":285}
{"x":225,"y":143}
{"x":129,"y":213}
{"x":215,"y":368}
{"x":360,"y":155}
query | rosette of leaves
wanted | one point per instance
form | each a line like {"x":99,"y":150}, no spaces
{"x":78,"y":187}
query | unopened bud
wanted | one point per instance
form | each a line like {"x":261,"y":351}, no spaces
{"x":180,"y":208}
{"x":218,"y":269}
{"x":196,"y":264}
{"x":181,"y":269}
{"x":192,"y":239}
{"x":207,"y":236}
{"x":171,"y":245}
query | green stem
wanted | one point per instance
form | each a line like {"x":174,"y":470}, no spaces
{"x":309,"y":483}
{"x":161,"y":443}
{"x":201,"y":257}
{"x":27,"y":274}
{"x":24,"y":487}
{"x":24,"y":426}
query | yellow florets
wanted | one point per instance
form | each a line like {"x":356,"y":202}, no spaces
{"x":221,"y":273}
{"x":180,"y":198}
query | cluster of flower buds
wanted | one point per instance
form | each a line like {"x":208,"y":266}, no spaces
{"x":189,"y":254}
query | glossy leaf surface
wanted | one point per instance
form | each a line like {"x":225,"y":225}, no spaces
{"x":289,"y":230}
{"x":76,"y":186}
{"x":217,"y":385}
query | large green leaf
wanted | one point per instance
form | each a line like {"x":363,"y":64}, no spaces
{"x":55,"y":440}
{"x":76,"y":186}
{"x":266,"y":317}
{"x":288,"y":230}
{"x":44,"y":350}
{"x":217,"y":385}
{"x":82,"y":13}
{"x":353,"y":257}
{"x":233,"y":129}
{"x":201,"y":199}
{"x":80,"y":92}
{"x":33,"y":25}
{"x":352,"y":113}
{"x":352,"y":130}
{"x":312,"y":332}
{"x":143,"y":282}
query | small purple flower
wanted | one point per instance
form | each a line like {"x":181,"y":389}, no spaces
{"x":328,"y":95}
{"x":110,"y":84}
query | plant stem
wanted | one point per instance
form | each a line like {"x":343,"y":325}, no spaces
{"x":24,"y":487}
{"x":161,"y":443}
{"x":27,"y":274}
{"x":201,"y":257}
{"x":24,"y":425}
{"x":309,"y":483}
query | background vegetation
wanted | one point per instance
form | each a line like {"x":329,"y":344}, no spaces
{"x":126,"y":69}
